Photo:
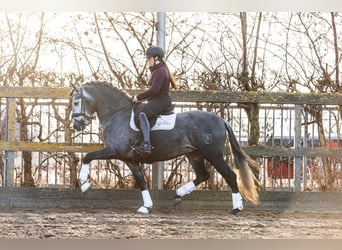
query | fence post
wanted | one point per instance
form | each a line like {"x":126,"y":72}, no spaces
{"x":157,"y":175}
{"x":10,"y":136}
{"x":158,"y":167}
{"x":297,"y":145}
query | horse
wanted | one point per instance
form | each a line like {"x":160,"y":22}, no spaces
{"x":199,"y":135}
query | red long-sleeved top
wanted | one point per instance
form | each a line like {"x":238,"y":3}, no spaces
{"x":159,"y":83}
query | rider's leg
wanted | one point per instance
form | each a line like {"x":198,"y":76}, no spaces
{"x":148,"y":111}
{"x":145,"y":128}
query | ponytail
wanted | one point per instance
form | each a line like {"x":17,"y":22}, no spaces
{"x":173,"y":80}
{"x":172,"y":77}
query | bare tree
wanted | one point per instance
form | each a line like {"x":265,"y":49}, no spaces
{"x":20,"y":67}
{"x":315,"y":69}
{"x":248,"y":79}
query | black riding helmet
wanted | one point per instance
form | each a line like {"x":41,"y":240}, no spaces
{"x":154,"y":51}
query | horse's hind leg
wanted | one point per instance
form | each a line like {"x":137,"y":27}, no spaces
{"x":197,"y":162}
{"x":222,"y":167}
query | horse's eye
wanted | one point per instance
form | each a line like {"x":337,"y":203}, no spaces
{"x":76,"y":103}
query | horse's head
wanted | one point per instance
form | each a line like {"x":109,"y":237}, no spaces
{"x":96,"y":97}
{"x":81,"y":108}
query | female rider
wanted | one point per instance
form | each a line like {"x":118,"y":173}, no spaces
{"x":157,"y":95}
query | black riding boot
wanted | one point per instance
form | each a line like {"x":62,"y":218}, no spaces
{"x":145,"y":146}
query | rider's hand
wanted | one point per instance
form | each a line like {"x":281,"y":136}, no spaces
{"x":134,"y":99}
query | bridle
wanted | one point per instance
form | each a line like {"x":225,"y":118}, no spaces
{"x":82,"y":113}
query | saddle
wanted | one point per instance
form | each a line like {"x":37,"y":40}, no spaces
{"x":165,"y":121}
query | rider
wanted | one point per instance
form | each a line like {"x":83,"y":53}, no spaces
{"x":158,"y":95}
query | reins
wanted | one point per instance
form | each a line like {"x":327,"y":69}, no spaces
{"x":115,"y":111}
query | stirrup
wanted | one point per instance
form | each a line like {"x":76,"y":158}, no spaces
{"x":145,"y":147}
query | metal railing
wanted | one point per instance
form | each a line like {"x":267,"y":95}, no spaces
{"x":287,"y":150}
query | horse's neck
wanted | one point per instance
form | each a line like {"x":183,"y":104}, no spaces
{"x":115,"y":120}
{"x":110,"y":105}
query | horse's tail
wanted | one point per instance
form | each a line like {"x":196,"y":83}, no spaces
{"x":242,"y":165}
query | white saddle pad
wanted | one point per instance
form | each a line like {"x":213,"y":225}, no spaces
{"x":164,"y":122}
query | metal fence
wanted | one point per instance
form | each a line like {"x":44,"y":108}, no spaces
{"x":45,"y":123}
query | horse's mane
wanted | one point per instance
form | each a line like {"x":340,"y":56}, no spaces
{"x":107,"y":85}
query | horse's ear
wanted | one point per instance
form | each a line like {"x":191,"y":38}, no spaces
{"x":75,"y":87}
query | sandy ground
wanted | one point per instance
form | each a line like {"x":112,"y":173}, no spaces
{"x":166,"y":224}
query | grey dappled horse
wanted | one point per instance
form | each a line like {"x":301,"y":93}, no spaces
{"x":197,"y":134}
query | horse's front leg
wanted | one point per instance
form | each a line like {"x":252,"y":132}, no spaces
{"x":104,"y":154}
{"x":140,"y":180}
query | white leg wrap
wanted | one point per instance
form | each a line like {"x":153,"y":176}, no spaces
{"x":148,"y":203}
{"x":85,"y":185}
{"x":143,"y":210}
{"x":237,"y":201}
{"x":186,"y":189}
{"x":84,"y":172}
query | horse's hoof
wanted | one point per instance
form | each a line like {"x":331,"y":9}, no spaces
{"x":235,"y":211}
{"x":177,"y":200}
{"x":143,"y":210}
{"x":85,"y":187}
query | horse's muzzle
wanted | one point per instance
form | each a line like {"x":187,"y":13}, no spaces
{"x":79,"y":125}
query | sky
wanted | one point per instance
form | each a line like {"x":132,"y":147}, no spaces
{"x":174,"y":5}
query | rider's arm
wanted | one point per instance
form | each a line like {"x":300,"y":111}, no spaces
{"x":158,"y":79}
